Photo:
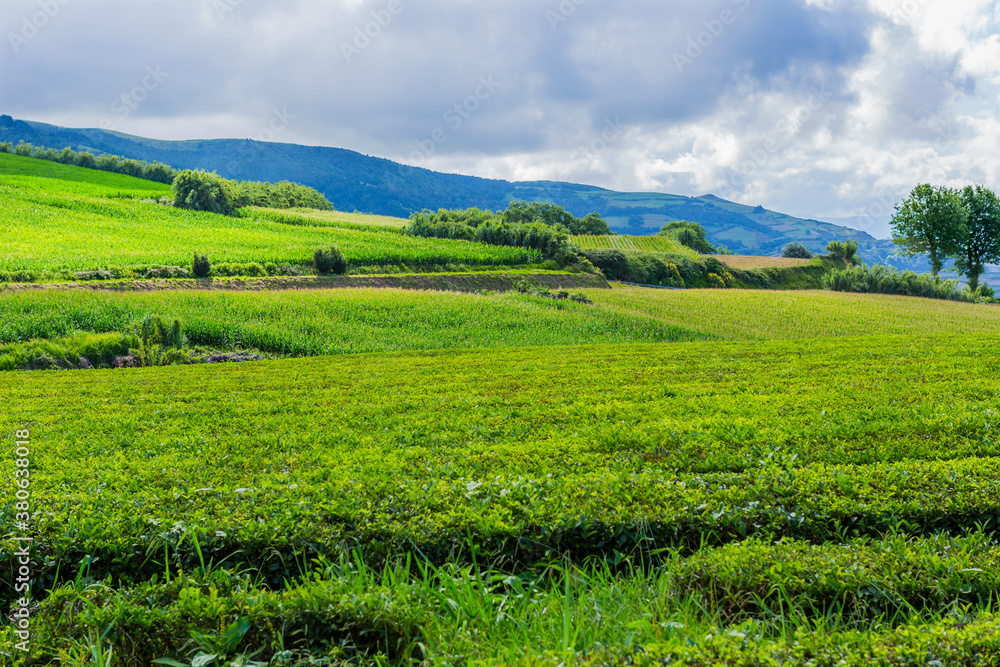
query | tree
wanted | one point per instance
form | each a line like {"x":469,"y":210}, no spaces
{"x":982,"y":233}
{"x":930,"y":221}
{"x":525,"y":213}
{"x":844,"y":250}
{"x":796,"y":250}
{"x":690,"y":234}
{"x":202,"y":191}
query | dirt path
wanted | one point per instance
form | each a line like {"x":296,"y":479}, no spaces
{"x":460,"y":282}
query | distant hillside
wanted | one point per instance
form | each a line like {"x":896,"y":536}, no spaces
{"x":353,"y":181}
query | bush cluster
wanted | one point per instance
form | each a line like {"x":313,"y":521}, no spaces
{"x":796,"y":250}
{"x":330,"y":260}
{"x":545,"y":228}
{"x":884,"y":280}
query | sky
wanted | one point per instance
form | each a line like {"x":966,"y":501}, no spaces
{"x":827,"y":109}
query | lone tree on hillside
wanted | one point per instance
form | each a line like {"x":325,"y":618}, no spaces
{"x":930,"y":221}
{"x":796,"y":250}
{"x":982,"y":233}
{"x":200,"y":190}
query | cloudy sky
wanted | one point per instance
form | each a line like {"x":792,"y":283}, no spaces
{"x":830,"y":109}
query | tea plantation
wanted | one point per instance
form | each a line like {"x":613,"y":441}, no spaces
{"x":683,"y":477}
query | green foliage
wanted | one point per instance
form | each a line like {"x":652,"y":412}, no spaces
{"x":200,"y":190}
{"x":341,"y":322}
{"x":844,"y":251}
{"x":981,"y":243}
{"x":201,"y":267}
{"x":883,"y":280}
{"x":930,"y":221}
{"x":796,"y":250}
{"x":661,"y":244}
{"x":553,"y":215}
{"x":64,"y":218}
{"x":330,"y":260}
{"x":81,"y":350}
{"x":689,"y":234}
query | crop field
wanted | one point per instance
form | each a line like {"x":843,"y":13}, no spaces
{"x":767,"y":315}
{"x":867,"y":469}
{"x":748,"y":262}
{"x":333,"y":322}
{"x":656,"y":477}
{"x":662,"y":244}
{"x":353,"y":218}
{"x":44,"y":227}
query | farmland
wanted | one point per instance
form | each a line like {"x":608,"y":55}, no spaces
{"x":84,"y":224}
{"x":693,"y":477}
{"x":523,"y":455}
{"x":662,"y":244}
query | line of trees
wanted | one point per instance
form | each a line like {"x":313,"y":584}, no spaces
{"x":532,"y":225}
{"x":194,"y":189}
{"x":945,"y":223}
{"x":150,"y":171}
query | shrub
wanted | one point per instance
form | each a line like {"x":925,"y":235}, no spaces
{"x":100,"y":274}
{"x":166,"y":272}
{"x":715,"y":280}
{"x":330,"y":260}
{"x":846,"y":251}
{"x":201,"y":267}
{"x":796,"y":250}
{"x":200,"y":190}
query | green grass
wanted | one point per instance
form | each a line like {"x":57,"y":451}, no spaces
{"x":55,"y":218}
{"x":533,"y":454}
{"x":753,"y":315}
{"x":660,"y":244}
{"x":332,"y":322}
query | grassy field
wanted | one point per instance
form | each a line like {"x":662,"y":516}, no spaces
{"x":55,"y":217}
{"x":333,"y":322}
{"x":799,"y":452}
{"x":767,"y":315}
{"x":747,"y":262}
{"x":660,"y":477}
{"x":664,"y":244}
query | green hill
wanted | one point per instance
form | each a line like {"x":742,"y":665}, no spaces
{"x":353,"y":181}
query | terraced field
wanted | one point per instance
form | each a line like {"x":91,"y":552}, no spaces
{"x":682,"y":477}
{"x":664,"y":244}
{"x":86,"y":225}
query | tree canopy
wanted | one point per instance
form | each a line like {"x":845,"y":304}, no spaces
{"x":930,"y":221}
